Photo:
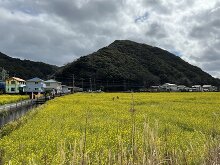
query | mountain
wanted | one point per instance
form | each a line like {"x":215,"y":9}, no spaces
{"x":127,"y":65}
{"x":26,"y":69}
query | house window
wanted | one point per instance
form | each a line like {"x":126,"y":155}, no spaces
{"x":12,"y":89}
{"x":36,"y":82}
{"x":12,"y":82}
{"x":36,"y":89}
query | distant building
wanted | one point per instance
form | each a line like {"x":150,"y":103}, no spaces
{"x":209,"y":88}
{"x":53,"y":86}
{"x":78,"y":89}
{"x":197,"y":88}
{"x":65,"y":89}
{"x":35,"y":85}
{"x":14,"y":85}
{"x":169,"y":87}
{"x":182,"y":88}
{"x":154,"y":89}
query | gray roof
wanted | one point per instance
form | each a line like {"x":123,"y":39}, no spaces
{"x":196,"y":86}
{"x":36,"y":79}
{"x":51,"y":81}
{"x":207,"y":86}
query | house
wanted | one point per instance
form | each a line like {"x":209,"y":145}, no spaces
{"x":182,"y":88}
{"x":65,"y":89}
{"x":154,"y":89}
{"x":14,"y":85}
{"x":53,"y":86}
{"x":35,"y":85}
{"x":197,"y":88}
{"x":169,"y":87}
{"x":209,"y":88}
{"x":78,"y":89}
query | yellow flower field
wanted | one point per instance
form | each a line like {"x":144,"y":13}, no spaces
{"x":5,"y":99}
{"x":118,"y":128}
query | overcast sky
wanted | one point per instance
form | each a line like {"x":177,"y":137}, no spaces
{"x":59,"y":31}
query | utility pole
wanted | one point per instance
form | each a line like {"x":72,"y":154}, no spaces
{"x":124,"y":84}
{"x":73,"y":83}
{"x":82,"y":79}
{"x":90,"y":81}
{"x":1,"y":74}
{"x":94,"y":84}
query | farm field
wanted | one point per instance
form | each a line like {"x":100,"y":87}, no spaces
{"x":6,"y":99}
{"x":118,"y":128}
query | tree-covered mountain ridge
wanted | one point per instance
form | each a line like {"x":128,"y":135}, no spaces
{"x":126,"y":62}
{"x":26,"y":69}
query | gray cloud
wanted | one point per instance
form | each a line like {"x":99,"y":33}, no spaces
{"x":90,"y":11}
{"x":157,"y":31}
{"x":58,"y":31}
{"x":212,"y":66}
{"x":157,"y":6}
{"x":206,"y":33}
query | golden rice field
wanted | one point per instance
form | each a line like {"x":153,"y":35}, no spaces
{"x":5,"y":99}
{"x":151,"y":128}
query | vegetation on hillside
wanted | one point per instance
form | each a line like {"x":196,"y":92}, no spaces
{"x":117,"y":128}
{"x":126,"y":64}
{"x":26,"y":69}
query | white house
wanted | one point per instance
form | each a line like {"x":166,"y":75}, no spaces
{"x":209,"y":88}
{"x":154,"y":89}
{"x":181,"y":88}
{"x":197,"y":88}
{"x":78,"y":89}
{"x":35,"y":85}
{"x":53,"y":86}
{"x":169,"y":87}
{"x":65,"y":89}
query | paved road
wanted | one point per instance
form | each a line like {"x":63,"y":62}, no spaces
{"x":14,"y":105}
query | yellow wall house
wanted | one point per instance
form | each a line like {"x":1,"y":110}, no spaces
{"x":15,"y":85}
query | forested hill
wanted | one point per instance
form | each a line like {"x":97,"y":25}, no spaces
{"x":26,"y":69}
{"x":126,"y":64}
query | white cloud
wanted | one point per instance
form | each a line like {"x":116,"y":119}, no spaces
{"x":48,"y":30}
